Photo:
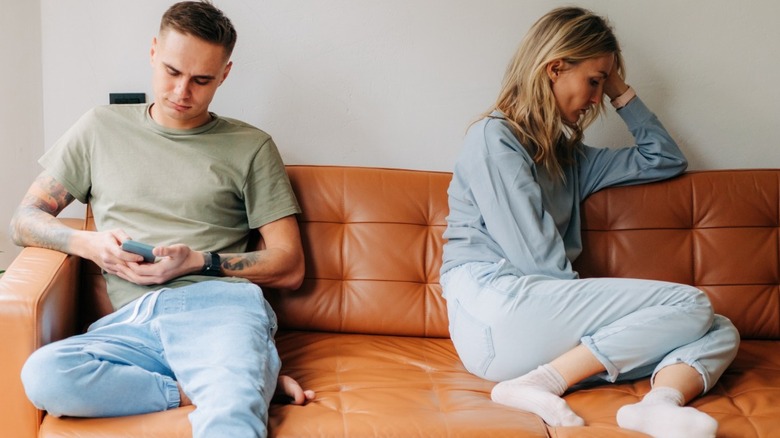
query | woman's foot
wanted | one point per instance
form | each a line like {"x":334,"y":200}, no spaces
{"x":538,"y":392}
{"x":661,"y":414}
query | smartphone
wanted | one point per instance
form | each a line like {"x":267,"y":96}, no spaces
{"x":139,"y":248}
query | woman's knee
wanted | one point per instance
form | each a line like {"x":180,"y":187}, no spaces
{"x":727,"y":335}
{"x":697,"y":304}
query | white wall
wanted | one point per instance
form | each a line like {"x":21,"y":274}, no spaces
{"x":395,"y":83}
{"x":21,"y":125}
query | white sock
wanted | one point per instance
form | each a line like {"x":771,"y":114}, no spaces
{"x":538,"y":392}
{"x":661,"y":414}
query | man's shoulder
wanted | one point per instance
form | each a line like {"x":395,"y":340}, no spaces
{"x":106,"y":119}
{"x":111,"y":115}
{"x":123,"y":110}
{"x":238,"y":126}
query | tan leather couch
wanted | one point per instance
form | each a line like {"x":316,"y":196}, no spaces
{"x":368,"y":329}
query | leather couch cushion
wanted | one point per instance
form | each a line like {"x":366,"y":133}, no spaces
{"x":372,"y":239}
{"x":380,"y":386}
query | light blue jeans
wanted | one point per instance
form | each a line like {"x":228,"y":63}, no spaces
{"x":504,"y":325}
{"x":214,"y":338}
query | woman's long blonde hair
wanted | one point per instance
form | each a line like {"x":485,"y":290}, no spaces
{"x":570,"y":34}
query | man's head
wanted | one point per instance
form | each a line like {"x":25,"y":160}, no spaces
{"x":190,"y":59}
{"x":202,"y":20}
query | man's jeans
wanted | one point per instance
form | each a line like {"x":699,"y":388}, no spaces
{"x":214,"y":338}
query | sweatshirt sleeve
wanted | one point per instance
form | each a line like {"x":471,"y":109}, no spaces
{"x":509,"y":198}
{"x":654,"y":157}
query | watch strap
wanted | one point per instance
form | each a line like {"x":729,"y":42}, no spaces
{"x":212,"y":264}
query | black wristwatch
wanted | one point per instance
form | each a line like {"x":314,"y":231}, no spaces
{"x":212,"y":264}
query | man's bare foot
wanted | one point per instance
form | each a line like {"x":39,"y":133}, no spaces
{"x":183,"y":399}
{"x":289,"y":391}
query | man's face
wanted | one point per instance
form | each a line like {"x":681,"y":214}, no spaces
{"x":186,"y":72}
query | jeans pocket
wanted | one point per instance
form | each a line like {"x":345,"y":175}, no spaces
{"x":473,"y":341}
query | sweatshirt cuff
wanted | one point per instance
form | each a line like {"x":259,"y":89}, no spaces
{"x":635,"y":113}
{"x":623,"y":99}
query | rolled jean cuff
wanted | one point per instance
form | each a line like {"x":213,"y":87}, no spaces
{"x":705,"y":377}
{"x":611,"y":370}
{"x":172,"y":390}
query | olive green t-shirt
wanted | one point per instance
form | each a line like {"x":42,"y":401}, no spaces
{"x":204,"y":187}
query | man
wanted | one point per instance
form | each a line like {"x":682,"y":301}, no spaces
{"x":192,"y":327}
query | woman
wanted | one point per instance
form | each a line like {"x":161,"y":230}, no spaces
{"x":518,"y":313}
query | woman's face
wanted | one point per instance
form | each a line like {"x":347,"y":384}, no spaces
{"x":577,"y":87}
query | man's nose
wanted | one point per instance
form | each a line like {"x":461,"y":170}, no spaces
{"x":182,"y":88}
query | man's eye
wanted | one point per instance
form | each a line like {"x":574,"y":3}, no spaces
{"x":202,"y":81}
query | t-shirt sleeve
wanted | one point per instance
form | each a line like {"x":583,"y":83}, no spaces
{"x":268,"y":193}
{"x":68,"y":160}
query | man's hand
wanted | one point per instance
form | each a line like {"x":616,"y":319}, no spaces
{"x":105,"y":249}
{"x":173,"y":261}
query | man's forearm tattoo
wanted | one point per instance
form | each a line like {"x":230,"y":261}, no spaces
{"x":239,"y":262}
{"x":34,"y":223}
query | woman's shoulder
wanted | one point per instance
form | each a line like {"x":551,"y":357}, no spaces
{"x":494,"y":121}
{"x":494,"y":134}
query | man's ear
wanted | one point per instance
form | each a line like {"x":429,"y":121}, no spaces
{"x":554,"y":68}
{"x":152,"y":50}
{"x":226,"y":72}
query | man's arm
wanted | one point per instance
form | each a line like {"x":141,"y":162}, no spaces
{"x":35,"y":224}
{"x":278,"y":264}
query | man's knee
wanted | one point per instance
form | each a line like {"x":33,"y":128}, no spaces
{"x":39,"y":377}
{"x":50,"y":377}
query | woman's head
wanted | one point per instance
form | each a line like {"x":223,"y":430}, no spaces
{"x":565,"y":42}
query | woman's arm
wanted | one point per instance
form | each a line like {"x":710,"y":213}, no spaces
{"x":509,"y":198}
{"x":655,"y":156}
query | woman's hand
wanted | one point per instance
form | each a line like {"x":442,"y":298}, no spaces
{"x":614,"y":85}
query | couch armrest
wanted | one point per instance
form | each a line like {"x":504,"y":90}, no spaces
{"x":38,"y":296}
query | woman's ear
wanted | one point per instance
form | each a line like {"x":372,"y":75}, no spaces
{"x":554,"y":69}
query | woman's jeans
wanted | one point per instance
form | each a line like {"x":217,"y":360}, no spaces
{"x":504,"y":325}
{"x":214,"y":338}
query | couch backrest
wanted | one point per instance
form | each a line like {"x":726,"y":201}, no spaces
{"x":372,"y":239}
{"x":716,"y":230}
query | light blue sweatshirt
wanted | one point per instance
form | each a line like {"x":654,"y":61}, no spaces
{"x":503,"y":206}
